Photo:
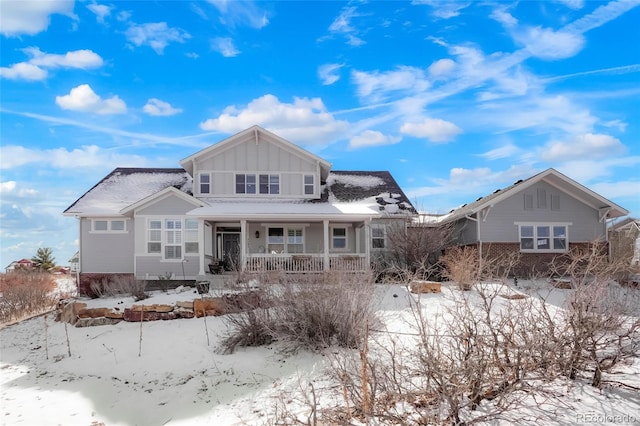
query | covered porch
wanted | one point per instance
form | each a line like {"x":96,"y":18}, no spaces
{"x":289,"y":242}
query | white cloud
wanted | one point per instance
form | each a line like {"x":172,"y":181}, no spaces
{"x":442,"y":68}
{"x":378,"y":85}
{"x":444,"y":9}
{"x":329,"y":73}
{"x":572,"y":4}
{"x":11,"y":189}
{"x":31,"y":16}
{"x":92,"y":156}
{"x":156,"y":35}
{"x":100,"y":10}
{"x":619,"y":189}
{"x":34,"y":69}
{"x":160,"y":108}
{"x":224,"y":46}
{"x":434,"y":129}
{"x":546,"y":43}
{"x":586,"y":146}
{"x":342,"y":25}
{"x":83,"y":98}
{"x":23,"y":71}
{"x":305,"y":121}
{"x":372,"y":138}
{"x":236,"y":13}
{"x":82,"y":59}
{"x":505,"y":151}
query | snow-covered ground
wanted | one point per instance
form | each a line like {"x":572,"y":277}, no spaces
{"x":180,"y":379}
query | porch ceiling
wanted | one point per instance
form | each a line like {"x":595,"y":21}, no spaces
{"x":294,"y":211}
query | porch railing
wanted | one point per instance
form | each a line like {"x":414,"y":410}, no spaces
{"x":306,"y":262}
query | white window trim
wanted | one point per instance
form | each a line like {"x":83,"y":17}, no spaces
{"x":285,"y":236}
{"x":257,"y":176}
{"x":109,"y":226}
{"x":346,"y":238}
{"x":312,"y":184}
{"x":200,"y":183}
{"x":535,"y":225}
{"x":383,"y":238}
{"x":163,"y":238}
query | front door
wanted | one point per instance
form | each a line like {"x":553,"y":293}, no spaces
{"x":230,"y":249}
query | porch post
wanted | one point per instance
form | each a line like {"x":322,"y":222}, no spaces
{"x":201,"y":242}
{"x":367,"y":243}
{"x":325,"y":224}
{"x":243,"y":244}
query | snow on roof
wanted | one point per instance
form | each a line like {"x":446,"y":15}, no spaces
{"x":281,"y":209}
{"x":125,"y":186}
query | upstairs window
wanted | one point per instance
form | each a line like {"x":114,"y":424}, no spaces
{"x":269,"y":184}
{"x":245,"y":184}
{"x":309,"y":185}
{"x":205,"y":183}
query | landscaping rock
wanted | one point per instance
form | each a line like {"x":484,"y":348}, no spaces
{"x":93,"y":312}
{"x":419,"y":286}
{"x":91,"y":322}
{"x":209,"y":306}
{"x":69,"y":312}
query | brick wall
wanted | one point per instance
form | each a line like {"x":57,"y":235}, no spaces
{"x":533,"y":264}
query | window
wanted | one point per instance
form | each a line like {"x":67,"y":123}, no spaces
{"x":275,"y":240}
{"x":154,"y":236}
{"x":205,"y":183}
{"x":295,"y":240}
{"x":269,"y":184}
{"x":551,"y":238}
{"x":377,"y":237}
{"x":309,"y":186}
{"x":339,"y":238}
{"x":245,"y":184}
{"x":191,"y":236}
{"x":107,"y":225}
{"x":173,"y":239}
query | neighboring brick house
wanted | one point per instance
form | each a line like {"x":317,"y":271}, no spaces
{"x":540,"y":217}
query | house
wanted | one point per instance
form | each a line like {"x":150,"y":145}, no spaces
{"x":74,"y":263}
{"x":251,"y":202}
{"x":20,"y":265}
{"x":540,"y":217}
{"x":625,"y":240}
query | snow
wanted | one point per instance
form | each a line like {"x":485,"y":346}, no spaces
{"x":179,"y":379}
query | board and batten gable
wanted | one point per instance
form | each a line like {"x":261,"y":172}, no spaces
{"x":541,"y":203}
{"x":256,"y":152}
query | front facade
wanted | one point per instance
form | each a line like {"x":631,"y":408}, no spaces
{"x":252,"y":202}
{"x":540,"y":218}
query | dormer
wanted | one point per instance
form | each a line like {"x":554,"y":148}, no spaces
{"x":255,"y":164}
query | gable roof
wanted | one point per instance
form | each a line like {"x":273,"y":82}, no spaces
{"x":627,"y":223}
{"x":125,"y":186}
{"x":255,"y":132}
{"x":554,"y":178}
{"x":169,"y":191}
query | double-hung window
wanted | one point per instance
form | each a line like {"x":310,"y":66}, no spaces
{"x":205,"y":183}
{"x":309,"y":186}
{"x":269,"y":184}
{"x":245,"y":184}
{"x":377,"y":237}
{"x":339,"y":238}
{"x":191,"y":235}
{"x":543,"y":237}
{"x":285,"y":240}
{"x":108,"y":225}
{"x":154,"y":236}
{"x":295,"y":240}
{"x":173,"y":239}
{"x":253,"y":184}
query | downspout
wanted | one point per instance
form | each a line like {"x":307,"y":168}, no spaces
{"x":243,"y":243}
{"x":79,"y":251}
{"x":201,"y":239}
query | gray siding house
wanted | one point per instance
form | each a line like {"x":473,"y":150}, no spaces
{"x":251,"y":202}
{"x":540,"y":217}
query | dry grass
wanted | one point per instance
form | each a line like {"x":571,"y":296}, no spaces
{"x":24,"y":294}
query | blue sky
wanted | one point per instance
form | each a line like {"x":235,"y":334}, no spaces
{"x":455,"y":99}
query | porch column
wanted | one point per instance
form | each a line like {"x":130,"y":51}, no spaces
{"x":243,"y":244}
{"x":367,"y":243}
{"x":325,"y":224}
{"x":201,"y":242}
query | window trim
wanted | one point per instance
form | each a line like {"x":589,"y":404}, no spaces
{"x":346,"y":238}
{"x":306,"y":185}
{"x":551,"y":237}
{"x":109,"y":230}
{"x":260,"y":184}
{"x":285,"y":237}
{"x":201,"y":183}
{"x":383,"y":237}
{"x":185,"y":233}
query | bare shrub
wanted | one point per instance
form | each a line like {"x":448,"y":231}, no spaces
{"x":462,"y":266}
{"x":25,"y":293}
{"x":119,"y":285}
{"x":315,"y":311}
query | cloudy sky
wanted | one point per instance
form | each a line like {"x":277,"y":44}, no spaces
{"x":455,"y":99}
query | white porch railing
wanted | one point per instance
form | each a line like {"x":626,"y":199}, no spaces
{"x":306,"y":262}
